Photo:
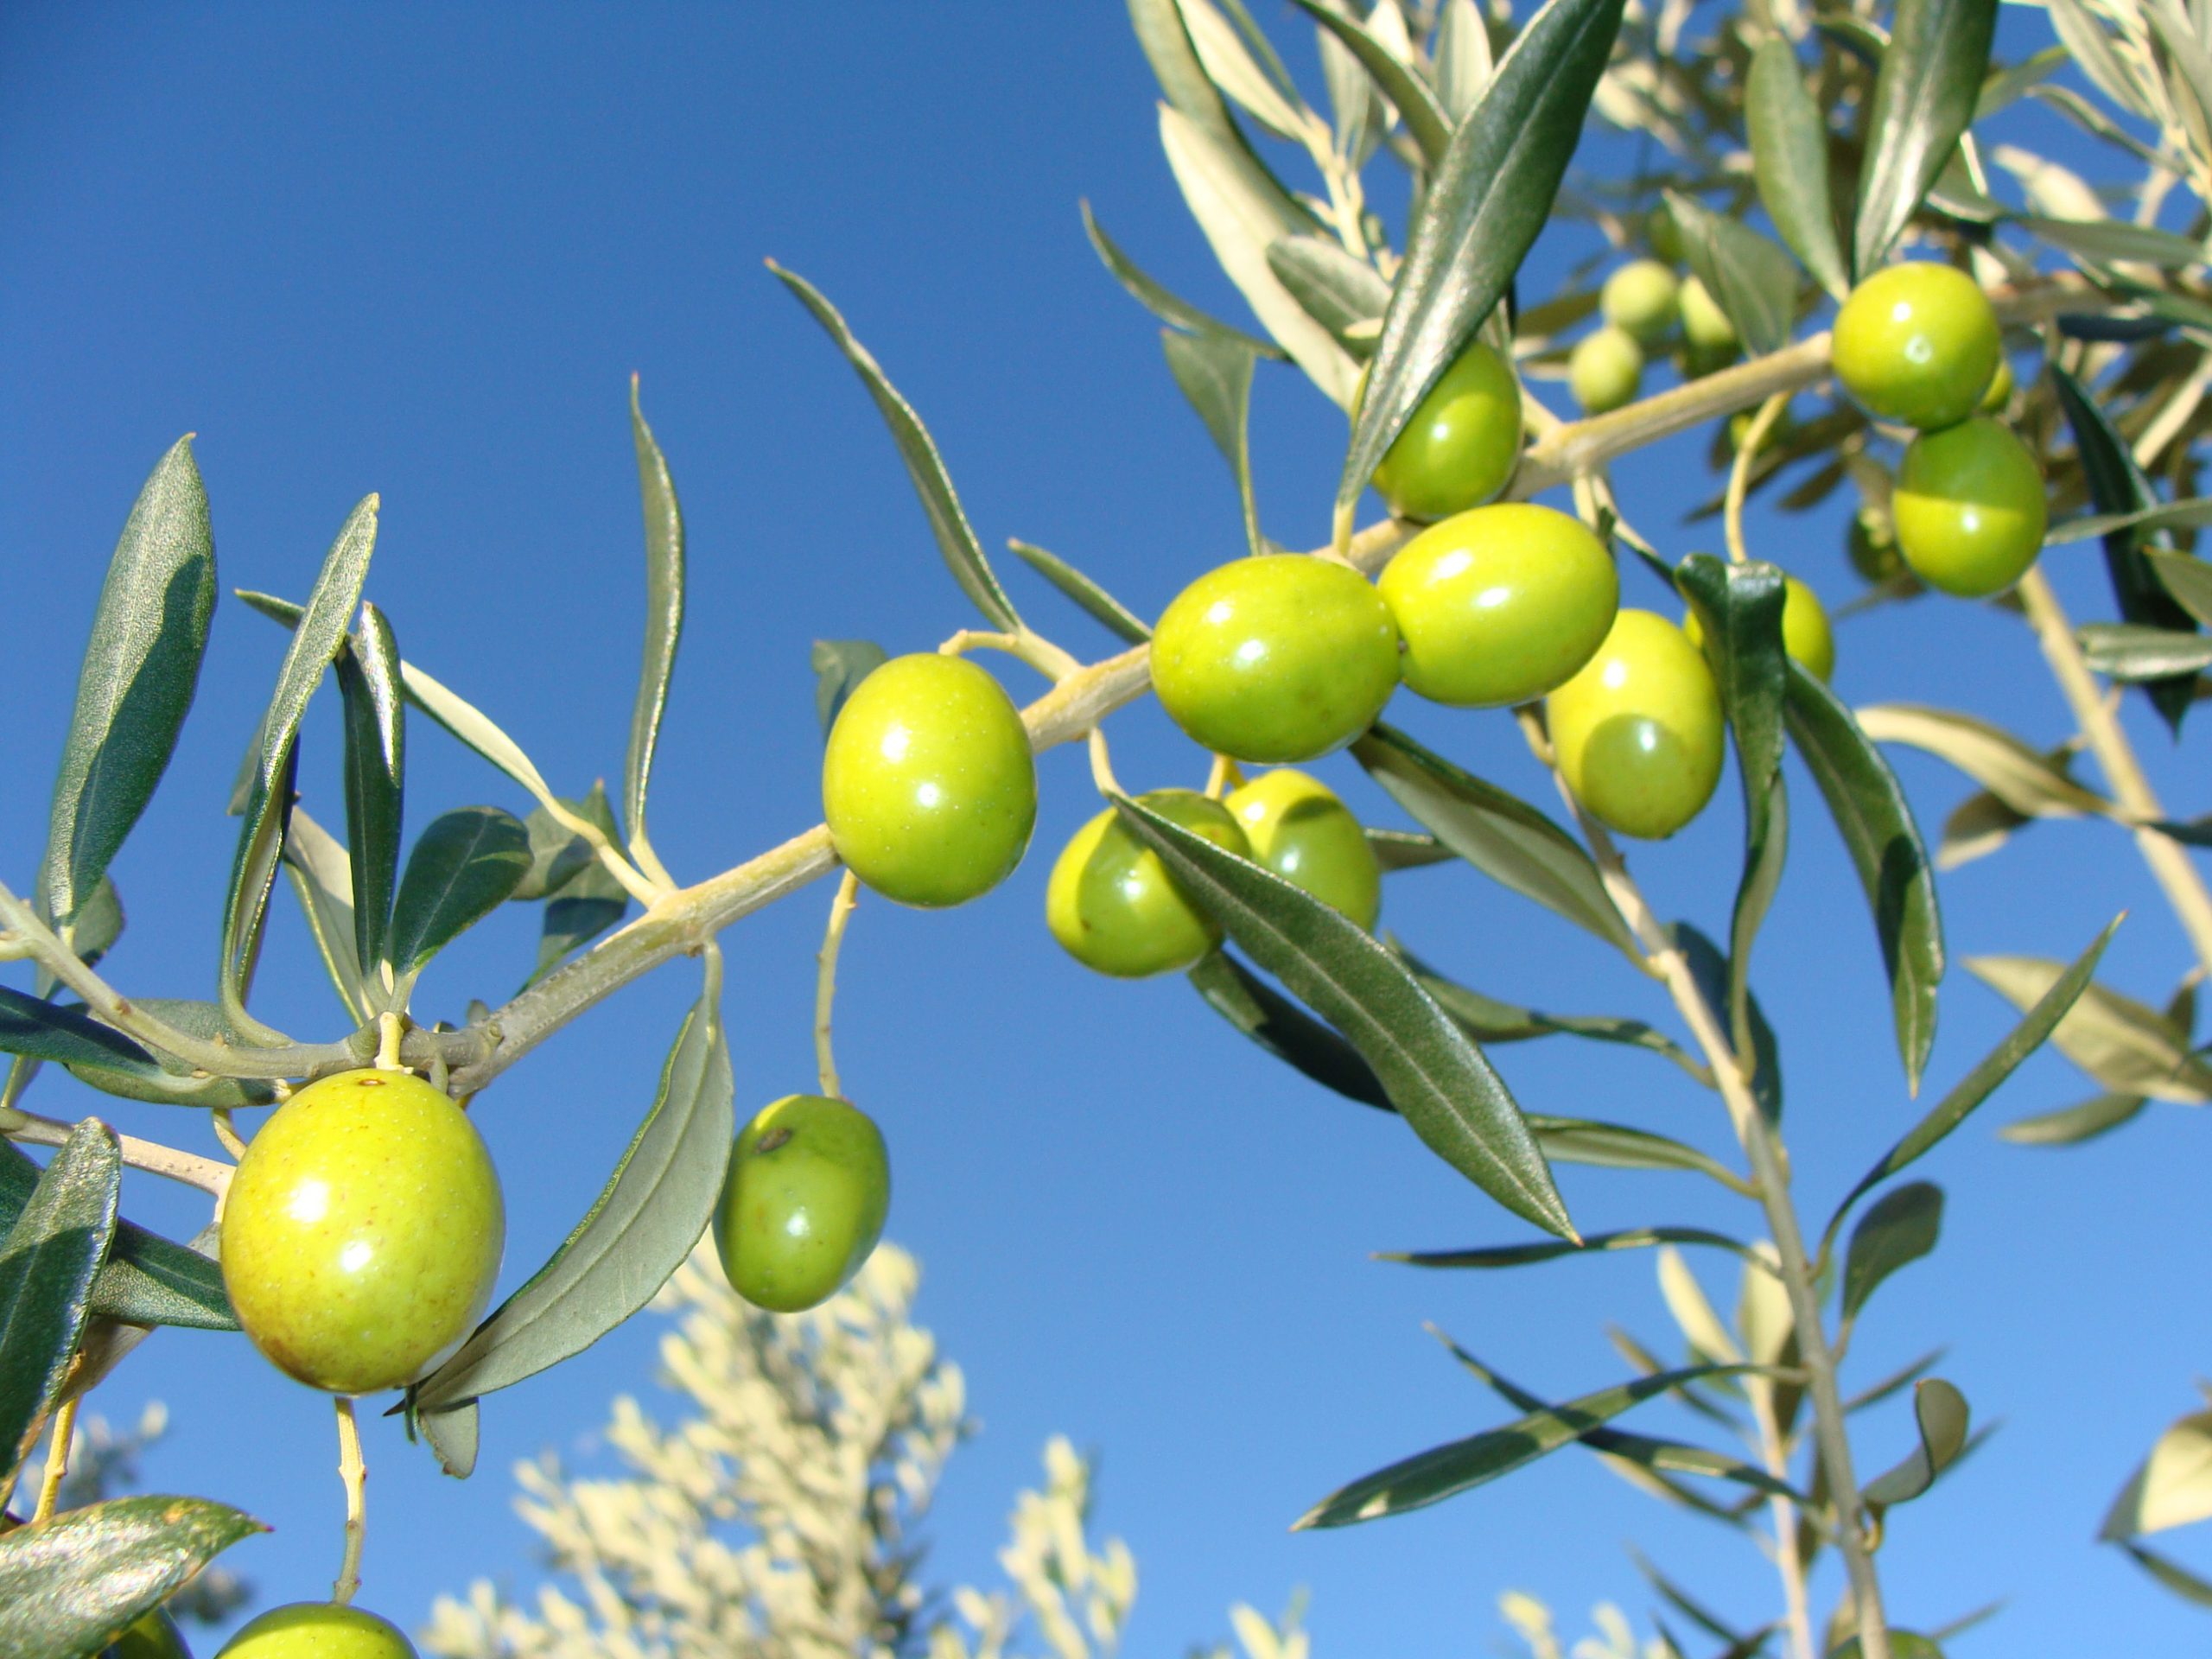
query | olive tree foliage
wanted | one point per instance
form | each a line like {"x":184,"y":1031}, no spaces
{"x":1791,"y":150}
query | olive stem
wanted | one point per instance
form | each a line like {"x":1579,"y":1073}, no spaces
{"x":825,"y":983}
{"x":208,"y":1174}
{"x":1223,"y":776}
{"x":1101,"y":765}
{"x":57,"y":1460}
{"x":354,"y":1474}
{"x":1034,"y":649}
{"x":226,"y":1132}
{"x":389,"y":1031}
{"x":1739,"y":475}
{"x":1789,"y":1563}
{"x":2170,"y":862}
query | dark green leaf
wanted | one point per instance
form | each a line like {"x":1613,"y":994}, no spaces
{"x":1487,"y":1021}
{"x":147,"y":1279}
{"x":1708,"y":968}
{"x":1691,"y":1609}
{"x":1503,"y":837}
{"x":1285,"y":1030}
{"x":48,"y":1262}
{"x":1157,"y":300}
{"x":1424,"y":117}
{"x":139,"y":672}
{"x":376,"y":763}
{"x":1490,"y":194}
{"x":1876,"y":822}
{"x":1940,"y":1412}
{"x":1931,"y":75}
{"x":955,"y":538}
{"x":665,"y":603}
{"x":2170,"y":1574}
{"x":2129,"y":651}
{"x":1790,"y":160}
{"x":1615,"y":1146}
{"x":1447,"y":1470}
{"x":1102,"y":607}
{"x":2117,"y":485}
{"x":638,"y":1232}
{"x":2187,"y":578}
{"x":1439,"y":1080}
{"x":463,"y":866}
{"x":2128,"y":1047}
{"x":1749,"y":277}
{"x":70,"y":1587}
{"x":1897,"y":1228}
{"x":1518,"y":1256}
{"x":46,"y":1030}
{"x":1980,"y":1084}
{"x":2072,"y":1125}
{"x":1346,"y":295}
{"x":317,"y":637}
{"x":570,"y":925}
{"x":839,"y":666}
{"x":1216,"y":374}
{"x":1896,"y":1380}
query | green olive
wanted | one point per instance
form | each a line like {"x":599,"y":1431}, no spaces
{"x":1300,"y":831}
{"x":363,"y":1232}
{"x":1638,"y":732}
{"x":1806,"y":635}
{"x":1663,"y":235}
{"x":2001,"y":387}
{"x":1705,"y":327}
{"x":928,"y":783}
{"x":318,"y":1630}
{"x":1604,"y":369}
{"x":1642,"y":297}
{"x":1917,"y":343}
{"x":1969,"y":508}
{"x":1275,"y":658}
{"x":154,"y":1635}
{"x":1499,"y":605}
{"x":1460,"y":446}
{"x":1112,"y":904}
{"x":803,"y":1203}
{"x":1871,"y":545}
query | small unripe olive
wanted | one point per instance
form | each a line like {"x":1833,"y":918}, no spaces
{"x":1872,"y":544}
{"x":1300,"y":831}
{"x":1460,"y":446}
{"x":1499,"y":605}
{"x":1806,"y":635}
{"x":804,"y":1201}
{"x":362,"y":1231}
{"x":2001,"y":385}
{"x":1111,"y":903}
{"x":1603,"y":370}
{"x":928,"y":783}
{"x":1969,"y":508}
{"x":1663,"y":235}
{"x":1280,"y":657}
{"x":1705,"y":324}
{"x":318,"y":1630}
{"x":1642,"y":297}
{"x":1917,"y":343}
{"x":1638,"y":734}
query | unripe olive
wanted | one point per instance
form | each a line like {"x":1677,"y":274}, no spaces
{"x":1872,"y":544}
{"x":1300,"y":831}
{"x":1806,"y":635}
{"x":1461,"y":444}
{"x":1638,"y":734}
{"x":1917,"y":343}
{"x":1499,"y":605}
{"x":1603,"y":370}
{"x":1280,"y":657}
{"x":362,"y":1231}
{"x":1642,"y":297}
{"x":928,"y":783}
{"x":318,"y":1630}
{"x":1969,"y":508}
{"x":2001,"y":385}
{"x":1705,"y":324}
{"x":1663,"y":235}
{"x":804,"y":1201}
{"x":1111,"y":903}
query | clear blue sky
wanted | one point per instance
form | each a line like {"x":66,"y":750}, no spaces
{"x":419,"y":250}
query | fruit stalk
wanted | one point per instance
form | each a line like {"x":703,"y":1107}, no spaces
{"x":826,"y":981}
{"x":355,"y":1474}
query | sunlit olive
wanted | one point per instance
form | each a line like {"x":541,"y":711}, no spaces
{"x":2001,"y":387}
{"x":1603,"y":370}
{"x":1459,"y":448}
{"x":1917,"y":343}
{"x":1111,"y":903}
{"x":1300,"y":831}
{"x":1705,"y":327}
{"x":318,"y":1630}
{"x":1642,"y":297}
{"x":803,"y":1203}
{"x":1638,"y":734}
{"x":1969,"y":508}
{"x":1806,"y":635}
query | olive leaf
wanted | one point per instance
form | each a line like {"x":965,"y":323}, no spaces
{"x":1789,"y":161}
{"x":2127,"y":1046}
{"x":1215,"y":373}
{"x":1101,"y":606}
{"x":664,"y":616}
{"x":1898,"y":1230}
{"x":48,"y":1262}
{"x":376,"y":764}
{"x":1931,"y":74}
{"x":1749,"y":277}
{"x":2024,"y":780}
{"x":1176,"y":313}
{"x":463,"y":866}
{"x":1940,"y":1412}
{"x":1424,"y":116}
{"x":1285,"y":1030}
{"x":71,"y":1585}
{"x":839,"y":666}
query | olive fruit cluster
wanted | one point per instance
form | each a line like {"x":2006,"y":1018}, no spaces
{"x":1460,"y":444}
{"x":1919,"y":343}
{"x":1639,"y":308}
{"x":804,"y":1201}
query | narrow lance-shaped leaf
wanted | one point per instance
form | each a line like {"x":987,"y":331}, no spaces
{"x":1170,"y":309}
{"x":1346,"y":295}
{"x":2128,"y":1047}
{"x":324,"y":883}
{"x":73,"y":1585}
{"x":1216,"y":374}
{"x":316,"y":639}
{"x":1789,"y":161}
{"x":839,"y":666}
{"x":643,"y":1223}
{"x":1877,"y":824}
{"x":1424,"y":117}
{"x":955,"y":537}
{"x":1488,"y":1020}
{"x":1925,"y":96}
{"x":40,"y":1030}
{"x":1190,"y":92}
{"x":147,"y":1279}
{"x":376,"y":762}
{"x":1939,"y":1412}
{"x":1615,"y":1146}
{"x":1491,"y":195}
{"x":1898,"y":1230}
{"x":2072,"y":1125}
{"x":1437,"y":1078}
{"x":137,"y":682}
{"x":2128,"y":651}
{"x":664,"y":616}
{"x":1102,"y":606}
{"x":1461,"y":51}
{"x":463,"y":866}
{"x":48,"y":1262}
{"x":1521,"y":1256}
{"x":2188,"y":578}
{"x":1286,"y":1031}
{"x":2030,"y":782}
{"x":1749,"y":278}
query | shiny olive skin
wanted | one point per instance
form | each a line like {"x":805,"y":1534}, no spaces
{"x":1969,"y":508}
{"x":1460,"y":446}
{"x":1806,"y":635}
{"x":1918,"y":343}
{"x":1111,"y":903}
{"x":1642,"y":297}
{"x":1500,"y":605}
{"x":1604,"y":369}
{"x":318,"y":1630}
{"x":928,"y":783}
{"x":1638,"y":734}
{"x":1299,"y":829}
{"x":803,"y":1203}
{"x":1277,"y":658}
{"x":362,"y":1231}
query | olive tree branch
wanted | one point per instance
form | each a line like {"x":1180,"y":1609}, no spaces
{"x":210,"y":1175}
